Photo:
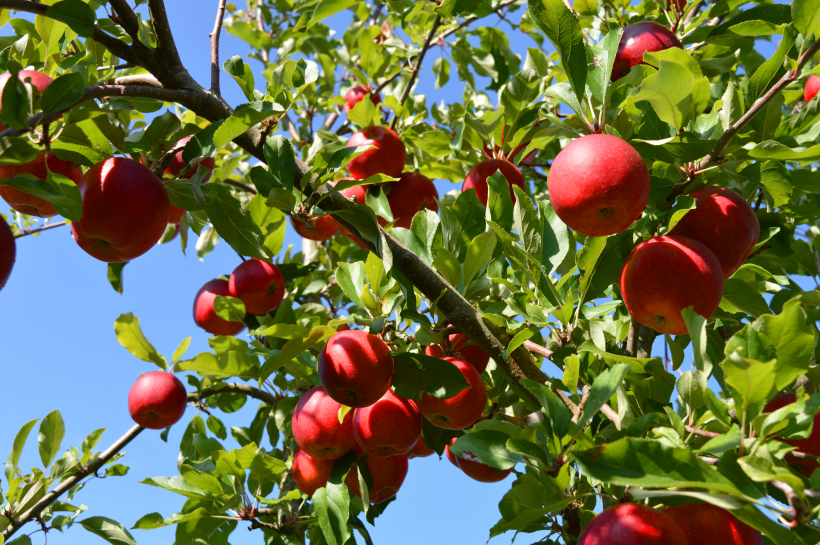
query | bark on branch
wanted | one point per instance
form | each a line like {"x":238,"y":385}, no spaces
{"x":220,"y":14}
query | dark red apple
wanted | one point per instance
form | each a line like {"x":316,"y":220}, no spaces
{"x":125,"y":210}
{"x":636,"y":40}
{"x":411,"y":194}
{"x":388,"y":158}
{"x":420,"y":450}
{"x":388,"y":476}
{"x":598,"y":185}
{"x":29,"y":204}
{"x":390,"y":426}
{"x":812,"y":86}
{"x":259,"y":284}
{"x":355,"y":368}
{"x":157,"y":400}
{"x":462,"y":410}
{"x":310,"y":473}
{"x":175,"y":214}
{"x":665,"y":275}
{"x":8,"y":253}
{"x":177,"y":164}
{"x":477,"y":177}
{"x":321,"y":229}
{"x":678,"y":5}
{"x":358,"y":93}
{"x":723,"y":222}
{"x":316,"y":428}
{"x":204,"y":314}
{"x":810,"y":445}
{"x":705,"y":523}
{"x":471,"y":465}
{"x":632,"y":524}
{"x":459,"y":347}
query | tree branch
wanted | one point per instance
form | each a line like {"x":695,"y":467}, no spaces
{"x":26,"y":232}
{"x":236,"y":388}
{"x":220,"y":14}
{"x":415,"y":73}
{"x":126,"y":18}
{"x":165,"y":39}
{"x":240,"y":185}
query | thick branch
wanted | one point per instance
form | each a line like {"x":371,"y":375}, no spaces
{"x":220,"y":14}
{"x":126,"y":17}
{"x":235,"y":388}
{"x":415,"y":73}
{"x":165,"y":39}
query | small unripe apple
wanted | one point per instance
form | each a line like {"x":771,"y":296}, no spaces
{"x":706,"y":523}
{"x":667,"y":274}
{"x":358,"y":93}
{"x":459,"y":348}
{"x":598,"y":185}
{"x":259,"y":284}
{"x":157,"y":400}
{"x":462,"y":410}
{"x":204,"y":314}
{"x":316,"y":427}
{"x":632,"y":524}
{"x":477,"y":178}
{"x":355,"y":368}
{"x":471,"y":465}
{"x":125,"y":210}
{"x":321,"y":229}
{"x":420,"y":450}
{"x":388,"y":158}
{"x":390,"y":426}
{"x":812,"y":86}
{"x":177,"y":164}
{"x":26,"y":203}
{"x":411,"y":194}
{"x":636,"y":40}
{"x":810,"y":445}
{"x":723,"y":222}
{"x":388,"y":476}
{"x":8,"y":253}
{"x":310,"y":473}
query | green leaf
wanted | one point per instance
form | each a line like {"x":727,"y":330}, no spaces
{"x":233,"y":222}
{"x":229,"y":308}
{"x":331,"y":504}
{"x":245,"y":117}
{"x":572,"y":366}
{"x":178,"y":485}
{"x":91,"y":440}
{"x":448,"y":266}
{"x":351,"y":277}
{"x":64,"y":91}
{"x":323,"y":10}
{"x":669,"y":91}
{"x":115,"y":275}
{"x":78,"y":15}
{"x":281,"y":161}
{"x":724,"y":443}
{"x":602,"y":389}
{"x":478,"y":257}
{"x":130,"y":336}
{"x":293,"y":348}
{"x":552,"y":406}
{"x":416,"y":373}
{"x":557,"y":238}
{"x":231,"y":363}
{"x":110,"y":530}
{"x":603,"y":56}
{"x":752,"y":381}
{"x":527,"y":224}
{"x":775,"y":151}
{"x":242,"y":74}
{"x":696,"y":326}
{"x":50,"y":436}
{"x":740,"y":296}
{"x":57,"y":189}
{"x":772,"y":70}
{"x":499,"y":202}
{"x":449,"y":8}
{"x":773,"y":176}
{"x":762,"y":470}
{"x":806,"y":16}
{"x":17,"y":448}
{"x":486,"y":447}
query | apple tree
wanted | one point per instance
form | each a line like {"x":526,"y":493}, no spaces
{"x":639,"y":181}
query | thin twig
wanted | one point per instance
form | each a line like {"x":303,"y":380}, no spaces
{"x":241,"y":185}
{"x":26,"y":232}
{"x":538,"y":349}
{"x":415,"y":73}
{"x":165,"y":161}
{"x":220,"y":15}
{"x":126,"y":18}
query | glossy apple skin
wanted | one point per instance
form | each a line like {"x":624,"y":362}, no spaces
{"x":388,"y":158}
{"x":316,"y":428}
{"x":705,"y":523}
{"x":636,"y":40}
{"x":157,"y":400}
{"x":812,"y":87}
{"x":420,"y":450}
{"x":723,"y":222}
{"x":471,"y":353}
{"x":388,"y":476}
{"x":358,"y":93}
{"x":355,"y":368}
{"x":322,"y":229}
{"x":125,"y":210}
{"x":177,"y":164}
{"x":204,"y":314}
{"x":665,"y":275}
{"x":390,"y":426}
{"x":8,"y":253}
{"x":632,"y":524}
{"x":462,"y":410}
{"x":810,"y":445}
{"x":37,"y":79}
{"x":310,"y":473}
{"x":598,"y":185}
{"x":259,"y":284}
{"x":474,"y":468}
{"x":477,"y":177}
{"x":411,"y":194}
{"x":29,"y":204}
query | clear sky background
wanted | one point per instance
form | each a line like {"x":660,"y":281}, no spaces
{"x":59,"y":351}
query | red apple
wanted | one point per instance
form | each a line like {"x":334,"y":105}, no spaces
{"x":358,"y":93}
{"x":37,"y":79}
{"x":390,"y":426}
{"x":459,"y":347}
{"x":477,"y":178}
{"x":177,"y":164}
{"x":471,"y":465}
{"x":157,"y":400}
{"x":678,"y":5}
{"x":462,"y":410}
{"x":665,"y":275}
{"x":420,"y":450}
{"x":388,"y":158}
{"x":316,"y":428}
{"x":632,"y":524}
{"x":636,"y":40}
{"x":812,"y":86}
{"x":706,"y":523}
{"x":598,"y":185}
{"x":204,"y":314}
{"x":411,"y":194}
{"x":125,"y":210}
{"x":175,"y":213}
{"x":8,"y":253}
{"x":388,"y":476}
{"x":810,"y":445}
{"x":321,"y":229}
{"x":29,"y":204}
{"x":259,"y":284}
{"x":723,"y":222}
{"x":310,"y":473}
{"x":355,"y":368}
